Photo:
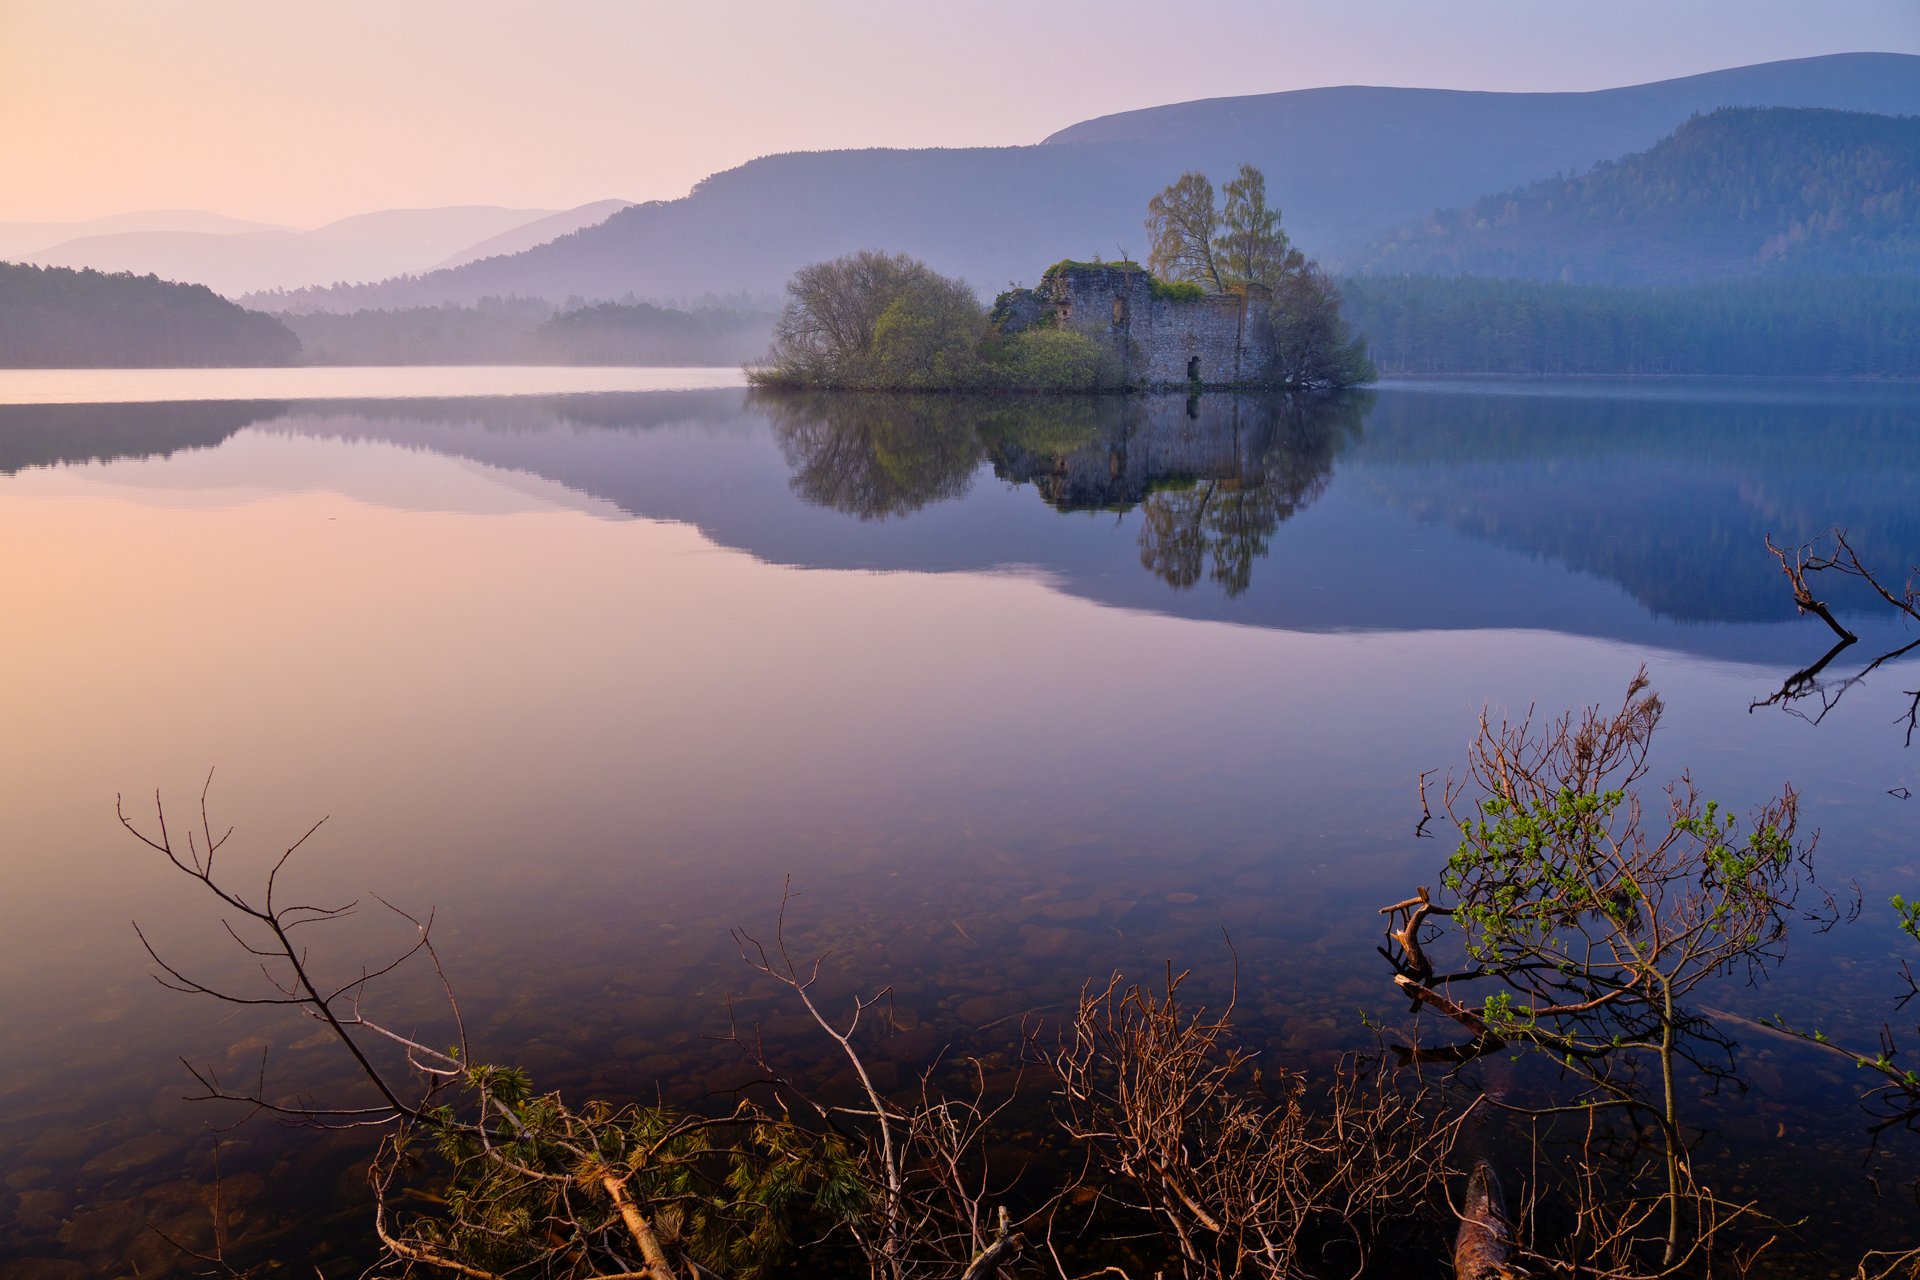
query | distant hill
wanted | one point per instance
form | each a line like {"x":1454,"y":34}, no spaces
{"x":19,"y":240}
{"x":1739,"y":192}
{"x":1344,"y":164}
{"x":368,"y":246}
{"x":56,"y":318}
{"x":539,"y":231}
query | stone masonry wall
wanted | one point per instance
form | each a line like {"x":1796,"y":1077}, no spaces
{"x":1222,"y":339}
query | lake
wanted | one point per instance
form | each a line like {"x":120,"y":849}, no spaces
{"x":1013,"y":693}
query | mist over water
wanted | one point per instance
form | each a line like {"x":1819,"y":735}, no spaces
{"x":1015,"y":692}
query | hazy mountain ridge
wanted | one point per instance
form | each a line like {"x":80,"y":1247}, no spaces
{"x":20,"y":240}
{"x":1738,"y":192}
{"x":1344,"y":164}
{"x":537,"y":232}
{"x":238,"y":259}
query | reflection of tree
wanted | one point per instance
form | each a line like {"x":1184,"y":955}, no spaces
{"x":1213,"y":477}
{"x":1222,"y":518}
{"x":1230,"y":520}
{"x":875,"y":456}
{"x":1805,"y":688}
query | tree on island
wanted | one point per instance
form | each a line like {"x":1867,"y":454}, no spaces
{"x":1240,"y":243}
{"x":877,"y":321}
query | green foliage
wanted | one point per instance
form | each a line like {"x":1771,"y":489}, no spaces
{"x":1051,"y":359}
{"x":1180,"y":227}
{"x":1909,"y":916}
{"x":1595,"y":922}
{"x":55,"y":317}
{"x":1313,"y":344}
{"x":875,"y":321}
{"x":529,"y":1189}
{"x":1251,"y":247}
{"x":927,"y":338}
{"x":1742,"y":191}
{"x":1075,"y":264}
{"x":1177,"y":290}
{"x":1834,"y":327}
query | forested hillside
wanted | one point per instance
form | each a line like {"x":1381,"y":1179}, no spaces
{"x":1344,"y":164}
{"x":1852,"y":326}
{"x":531,"y":331}
{"x":58,"y":318}
{"x":1738,"y":192}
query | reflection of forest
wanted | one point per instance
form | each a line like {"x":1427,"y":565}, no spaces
{"x":1671,"y":497}
{"x":46,"y":435}
{"x":1213,"y":476}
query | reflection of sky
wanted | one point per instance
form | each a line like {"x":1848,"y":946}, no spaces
{"x":536,"y":680}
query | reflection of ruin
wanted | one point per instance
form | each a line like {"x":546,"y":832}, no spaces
{"x":1213,"y":477}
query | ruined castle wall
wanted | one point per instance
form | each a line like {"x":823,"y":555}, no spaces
{"x":1218,"y":339}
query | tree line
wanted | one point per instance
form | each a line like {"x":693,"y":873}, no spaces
{"x":532,"y":331}
{"x":1850,"y":326}
{"x":58,"y":317}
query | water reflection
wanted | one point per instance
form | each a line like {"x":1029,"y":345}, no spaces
{"x":1212,"y":477}
{"x":1625,"y":517}
{"x":513,"y":647}
{"x":63,"y":434}
{"x":874,"y":456}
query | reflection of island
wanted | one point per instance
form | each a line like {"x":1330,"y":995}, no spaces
{"x":1633,"y":515}
{"x":1213,"y":478}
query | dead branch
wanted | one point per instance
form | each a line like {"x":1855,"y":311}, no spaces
{"x":1240,"y":1171}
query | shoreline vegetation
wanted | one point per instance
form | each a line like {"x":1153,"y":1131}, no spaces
{"x":1135,"y":1133}
{"x":1222,"y":278}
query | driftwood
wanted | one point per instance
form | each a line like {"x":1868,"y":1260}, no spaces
{"x":1484,"y":1247}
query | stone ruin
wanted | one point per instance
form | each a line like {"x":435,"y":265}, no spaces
{"x":1159,"y":338}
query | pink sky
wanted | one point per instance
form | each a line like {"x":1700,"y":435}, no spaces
{"x":300,"y":113}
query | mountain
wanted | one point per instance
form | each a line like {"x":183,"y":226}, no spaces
{"x":56,"y":318}
{"x":369,"y":246}
{"x":539,"y":231}
{"x":20,"y":239}
{"x":1345,"y":164}
{"x":1739,"y":192}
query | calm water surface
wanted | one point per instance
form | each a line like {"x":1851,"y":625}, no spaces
{"x":1015,"y":693}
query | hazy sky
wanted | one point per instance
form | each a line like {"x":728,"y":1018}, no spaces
{"x":299,"y":112}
